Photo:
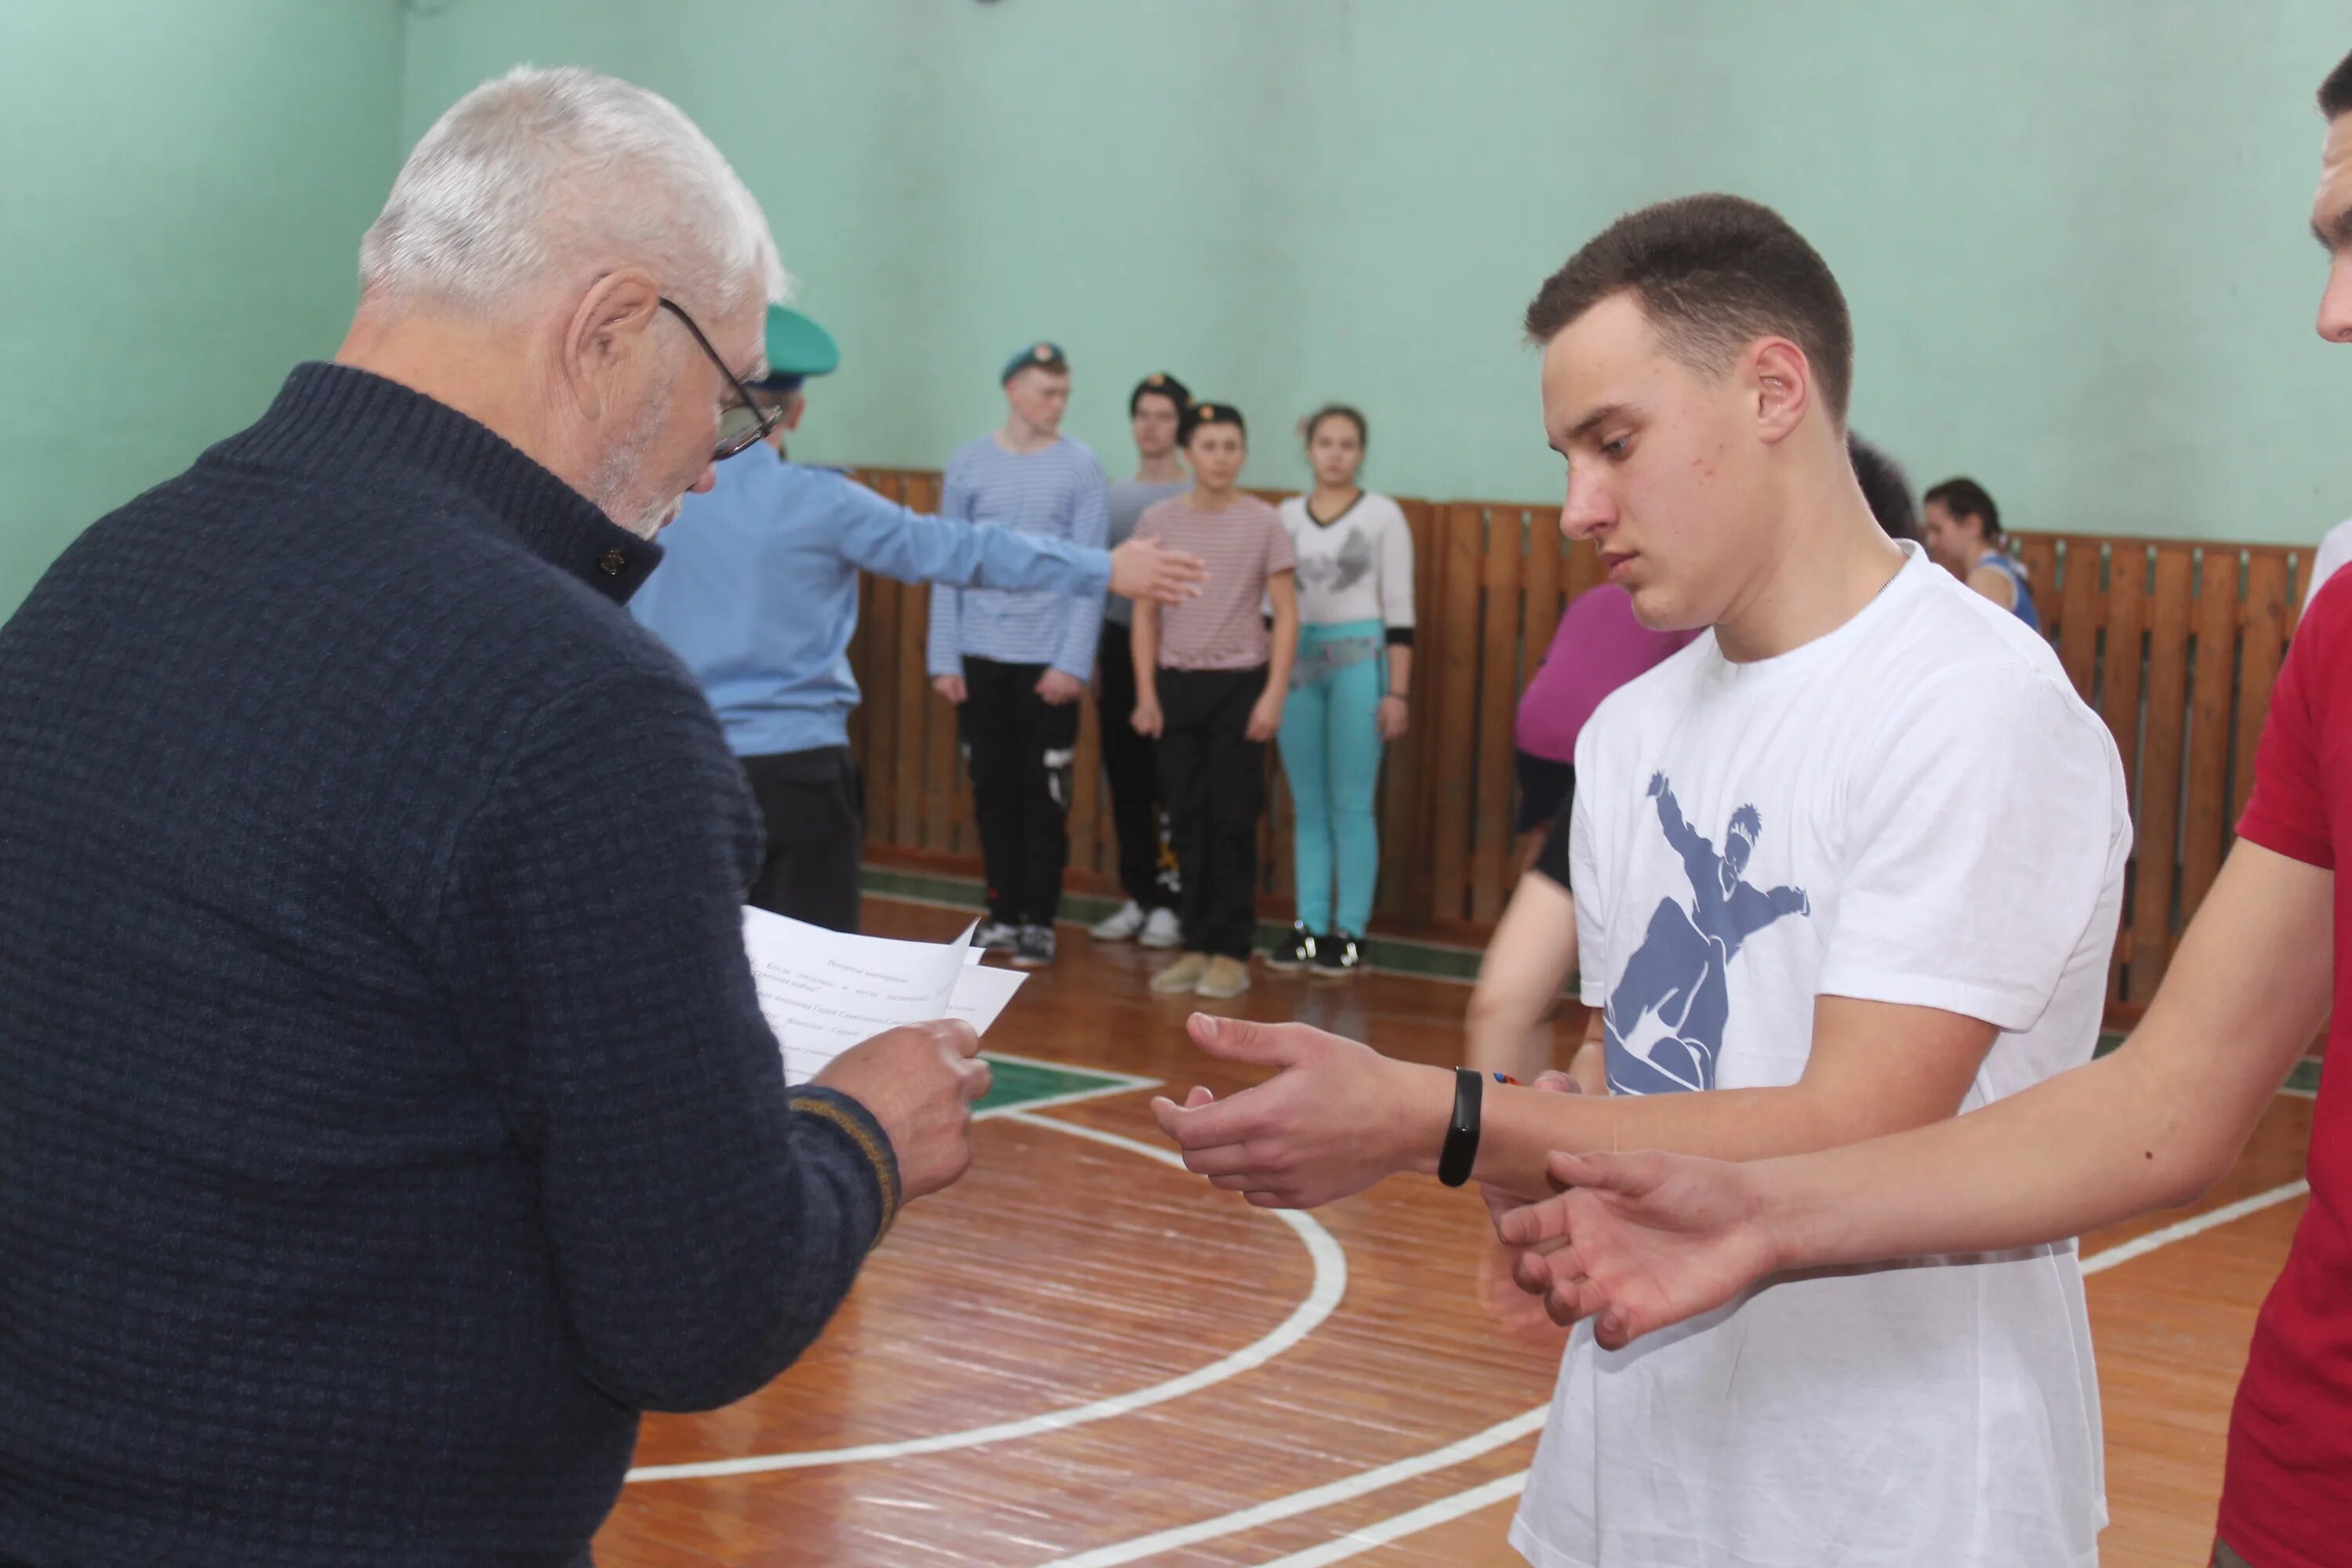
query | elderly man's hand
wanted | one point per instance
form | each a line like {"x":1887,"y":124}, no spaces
{"x":1337,"y":1118}
{"x":919,"y":1081}
{"x":1640,"y":1241}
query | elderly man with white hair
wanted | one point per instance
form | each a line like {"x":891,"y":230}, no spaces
{"x":386,"y":1116}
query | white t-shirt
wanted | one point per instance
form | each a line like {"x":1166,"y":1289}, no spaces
{"x":1916,"y":809}
{"x":1356,"y":567}
{"x":2335,"y":551}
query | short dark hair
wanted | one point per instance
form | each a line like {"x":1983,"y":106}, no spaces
{"x":1966,"y":497}
{"x":1307,"y":426}
{"x":1159,"y":383}
{"x":1885,"y":487}
{"x":2335,"y":92}
{"x":1197,"y":415}
{"x":1712,"y":274}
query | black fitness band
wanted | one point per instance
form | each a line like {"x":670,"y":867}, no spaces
{"x":1461,"y":1150}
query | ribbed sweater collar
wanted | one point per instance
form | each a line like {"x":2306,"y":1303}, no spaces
{"x":334,"y":421}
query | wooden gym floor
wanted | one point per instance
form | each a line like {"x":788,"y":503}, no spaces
{"x":1083,"y":1356}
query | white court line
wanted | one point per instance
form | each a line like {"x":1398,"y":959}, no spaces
{"x":1329,"y":1286}
{"x":1340,"y":1491}
{"x":1426,"y":1517}
{"x":2141,"y":1246}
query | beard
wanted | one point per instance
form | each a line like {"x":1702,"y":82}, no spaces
{"x":620,"y":488}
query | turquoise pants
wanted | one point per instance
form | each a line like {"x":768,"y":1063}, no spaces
{"x":1331,"y":756}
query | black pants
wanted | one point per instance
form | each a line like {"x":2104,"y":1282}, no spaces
{"x":1213,"y":778}
{"x":1131,"y":764}
{"x":1019,"y":748}
{"x":814,"y":805}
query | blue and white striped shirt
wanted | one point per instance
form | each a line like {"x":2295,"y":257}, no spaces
{"x":1058,"y":492}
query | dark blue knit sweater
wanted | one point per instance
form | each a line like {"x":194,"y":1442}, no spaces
{"x":385,"y":1111}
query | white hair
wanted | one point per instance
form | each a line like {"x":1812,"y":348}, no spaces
{"x":544,"y":174}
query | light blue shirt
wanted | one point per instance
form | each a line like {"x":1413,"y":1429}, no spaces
{"x":1056,"y":492}
{"x":757,"y":590}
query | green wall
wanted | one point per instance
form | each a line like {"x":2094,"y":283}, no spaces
{"x":186,"y":184}
{"x":2074,"y":235}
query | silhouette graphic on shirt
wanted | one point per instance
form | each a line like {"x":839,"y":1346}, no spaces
{"x":1664,"y":1020}
{"x":1344,"y":568}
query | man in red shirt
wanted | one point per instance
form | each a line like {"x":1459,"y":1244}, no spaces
{"x":1639,"y":1241}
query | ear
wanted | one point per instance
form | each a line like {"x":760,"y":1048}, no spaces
{"x":611,"y":328}
{"x":1781,"y":381}
{"x":792,"y":419}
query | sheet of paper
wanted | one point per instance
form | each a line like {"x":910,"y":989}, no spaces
{"x":823,"y":991}
{"x":980,"y":994}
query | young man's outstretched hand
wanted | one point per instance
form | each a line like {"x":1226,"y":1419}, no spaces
{"x":1638,"y":1241}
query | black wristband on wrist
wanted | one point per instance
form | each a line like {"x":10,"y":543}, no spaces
{"x":1461,"y":1150}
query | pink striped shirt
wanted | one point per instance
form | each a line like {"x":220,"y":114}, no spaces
{"x":1244,"y":543}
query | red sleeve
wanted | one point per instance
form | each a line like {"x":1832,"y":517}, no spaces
{"x":2289,"y":812}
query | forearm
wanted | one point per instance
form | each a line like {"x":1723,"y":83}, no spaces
{"x":1143,"y":646}
{"x":1077,"y":657}
{"x":1507,"y":1027}
{"x":1522,"y":1127}
{"x":1400,"y":668}
{"x":721,"y":1331}
{"x":1283,"y":649}
{"x":999,"y":557}
{"x":2091,"y":1147}
{"x":2149,"y":1127}
{"x":1089,"y":530}
{"x":943,"y":643}
{"x":1520,"y":977}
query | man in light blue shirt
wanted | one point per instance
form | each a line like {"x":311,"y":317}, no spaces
{"x":757,"y":591}
{"x":1015,"y":664}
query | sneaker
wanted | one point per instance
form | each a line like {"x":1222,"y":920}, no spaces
{"x":1161,"y":930}
{"x":995,"y":936}
{"x":1225,"y":977}
{"x":1120,"y":927}
{"x":1337,"y":954}
{"x":1034,"y":948}
{"x":1293,"y":952}
{"x":1181,"y":976}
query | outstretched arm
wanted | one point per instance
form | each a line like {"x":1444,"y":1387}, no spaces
{"x":1685,"y":838}
{"x":1339,"y":1116}
{"x":892,"y":541}
{"x":1650,"y":1238}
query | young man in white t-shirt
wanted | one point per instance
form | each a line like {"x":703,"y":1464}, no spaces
{"x":1849,"y":863}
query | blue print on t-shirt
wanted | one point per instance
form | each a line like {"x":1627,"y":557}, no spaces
{"x":1665,"y":1018}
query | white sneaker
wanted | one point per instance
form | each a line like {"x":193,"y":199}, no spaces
{"x":995,"y":936}
{"x":1121,"y":926}
{"x":1162,"y":929}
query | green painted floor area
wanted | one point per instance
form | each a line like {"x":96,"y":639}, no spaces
{"x":1023,"y":1083}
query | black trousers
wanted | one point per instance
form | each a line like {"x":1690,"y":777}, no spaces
{"x":1131,"y":764}
{"x":814,"y":806}
{"x":1019,"y":749}
{"x":1213,"y":778}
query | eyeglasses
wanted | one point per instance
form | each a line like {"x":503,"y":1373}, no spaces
{"x":741,"y":423}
